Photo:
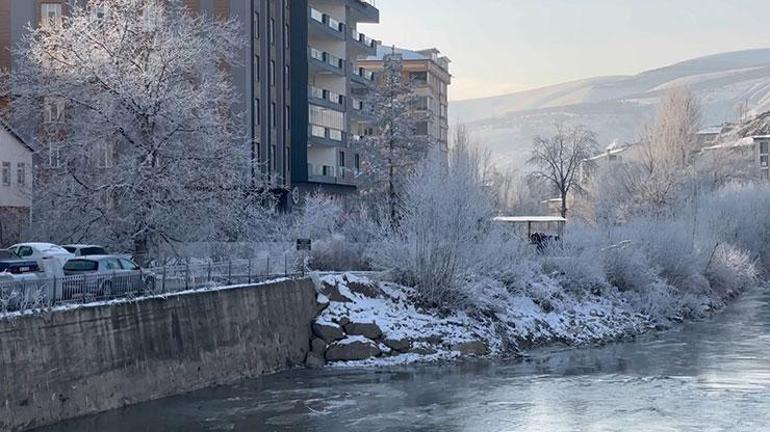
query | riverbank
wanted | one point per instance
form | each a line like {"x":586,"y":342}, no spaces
{"x":366,"y":323}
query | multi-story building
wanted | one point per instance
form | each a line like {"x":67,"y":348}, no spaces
{"x":429,"y":74}
{"x":326,"y":83}
{"x":15,"y":186}
{"x":296,"y":76}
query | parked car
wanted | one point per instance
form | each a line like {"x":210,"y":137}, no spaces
{"x":85,"y":250}
{"x":104,"y":276}
{"x":11,"y":263}
{"x":50,"y":257}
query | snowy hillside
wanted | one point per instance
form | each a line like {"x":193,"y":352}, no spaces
{"x":616,"y":106}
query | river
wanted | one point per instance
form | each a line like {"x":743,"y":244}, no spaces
{"x":712,"y":375}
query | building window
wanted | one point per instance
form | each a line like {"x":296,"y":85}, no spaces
{"x":763,"y":147}
{"x":256,"y":112}
{"x":421,"y":128}
{"x":272,"y":31}
{"x":52,"y":110}
{"x":256,"y":25}
{"x":342,"y":159}
{"x":358,"y":162}
{"x":6,"y":173}
{"x":421,"y":103}
{"x":286,"y":77}
{"x":21,"y":174}
{"x":419,"y":78}
{"x":763,"y":160}
{"x":54,"y":156}
{"x":273,"y":157}
{"x":287,"y":118}
{"x":257,"y":77}
{"x":273,"y":120}
{"x":272,"y":72}
{"x":50,"y":14}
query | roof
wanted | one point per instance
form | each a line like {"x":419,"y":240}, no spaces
{"x":743,"y":142}
{"x":520,"y":219}
{"x":15,"y":135}
{"x":712,"y":130}
{"x":406,"y":54}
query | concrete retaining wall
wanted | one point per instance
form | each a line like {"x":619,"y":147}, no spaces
{"x":71,"y":363}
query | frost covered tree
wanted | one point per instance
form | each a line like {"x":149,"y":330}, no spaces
{"x":137,"y":143}
{"x":671,"y":140}
{"x":394,"y":149}
{"x":558,"y":159}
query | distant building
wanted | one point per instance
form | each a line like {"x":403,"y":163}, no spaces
{"x":15,"y":186}
{"x":754,"y":151}
{"x":429,"y":73}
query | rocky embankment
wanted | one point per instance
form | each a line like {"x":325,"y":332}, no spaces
{"x":363,"y":323}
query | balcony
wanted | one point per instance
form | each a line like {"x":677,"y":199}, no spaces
{"x":364,"y":43}
{"x":364,"y":11}
{"x":325,"y":62}
{"x":326,"y":98}
{"x":331,"y":175}
{"x":324,"y":26}
{"x":363,"y":76}
{"x":324,"y":136}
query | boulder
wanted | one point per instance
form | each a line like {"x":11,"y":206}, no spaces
{"x":329,"y":332}
{"x":365,"y":289}
{"x":342,"y":321}
{"x":322,"y":302}
{"x":318,"y":346}
{"x":333,"y":293}
{"x":352,"y":348}
{"x":423,"y":350}
{"x":368,"y":330}
{"x":400,"y":345}
{"x":314,"y":361}
{"x":471,"y":348}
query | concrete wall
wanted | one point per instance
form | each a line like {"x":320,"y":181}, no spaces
{"x":71,"y":363}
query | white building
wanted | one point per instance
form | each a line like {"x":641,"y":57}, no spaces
{"x":15,"y":186}
{"x":754,"y":151}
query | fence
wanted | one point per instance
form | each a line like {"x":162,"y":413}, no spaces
{"x":31,"y":291}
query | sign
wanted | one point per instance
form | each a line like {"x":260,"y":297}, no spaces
{"x":304,"y":244}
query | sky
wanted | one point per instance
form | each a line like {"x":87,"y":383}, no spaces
{"x":504,"y":46}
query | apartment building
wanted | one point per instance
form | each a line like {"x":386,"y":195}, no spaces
{"x":296,"y":76}
{"x":15,"y":186}
{"x":327,"y":87}
{"x":428,"y":72}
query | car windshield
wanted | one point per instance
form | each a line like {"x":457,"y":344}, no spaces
{"x":92,"y":250}
{"x":81,"y":265}
{"x":4,"y":254}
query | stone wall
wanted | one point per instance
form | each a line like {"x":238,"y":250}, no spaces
{"x":70,"y":363}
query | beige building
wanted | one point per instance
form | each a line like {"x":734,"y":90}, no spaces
{"x":15,"y":186}
{"x":429,"y":73}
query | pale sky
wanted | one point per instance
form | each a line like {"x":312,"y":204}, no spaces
{"x":502,"y":46}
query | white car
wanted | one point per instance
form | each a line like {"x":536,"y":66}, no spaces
{"x":50,"y":257}
{"x":85,"y":250}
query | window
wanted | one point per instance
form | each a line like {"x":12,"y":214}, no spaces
{"x":272,"y":72}
{"x":342,"y":159}
{"x":99,"y":12}
{"x":287,"y":118}
{"x":21,"y":174}
{"x":286,"y":77}
{"x":54,"y":156}
{"x":358,"y":161}
{"x":421,"y":103}
{"x":6,"y":173}
{"x":50,"y":14}
{"x":418,"y":77}
{"x":103,"y":156}
{"x":763,"y":147}
{"x":421,"y":128}
{"x":272,"y":31}
{"x":128,"y":264}
{"x":256,"y":26}
{"x":763,"y":160}
{"x":273,"y":120}
{"x":52,"y":110}
{"x":257,"y":120}
{"x":257,"y":76}
{"x":25,"y":251}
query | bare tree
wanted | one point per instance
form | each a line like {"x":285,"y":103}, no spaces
{"x":671,"y":140}
{"x":394,"y":149}
{"x":137,"y":139}
{"x":558,"y":159}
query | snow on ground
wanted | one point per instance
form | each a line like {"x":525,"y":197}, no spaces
{"x":443,"y":335}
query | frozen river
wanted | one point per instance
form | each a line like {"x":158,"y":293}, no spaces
{"x":707,"y":376}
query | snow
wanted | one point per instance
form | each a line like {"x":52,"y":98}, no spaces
{"x":573,"y":320}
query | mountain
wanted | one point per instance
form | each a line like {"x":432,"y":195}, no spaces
{"x":616,"y":107}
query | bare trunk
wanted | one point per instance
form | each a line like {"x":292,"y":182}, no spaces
{"x":564,"y":204}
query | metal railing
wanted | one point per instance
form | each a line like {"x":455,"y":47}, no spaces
{"x":328,"y":58}
{"x":37,"y":292}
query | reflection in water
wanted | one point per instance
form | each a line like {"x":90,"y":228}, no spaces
{"x":707,"y":376}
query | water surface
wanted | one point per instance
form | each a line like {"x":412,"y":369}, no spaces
{"x":712,"y":375}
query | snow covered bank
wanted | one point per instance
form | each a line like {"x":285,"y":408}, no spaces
{"x":368,"y":323}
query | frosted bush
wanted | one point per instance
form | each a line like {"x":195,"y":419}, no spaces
{"x":730,"y":271}
{"x":577,"y":260}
